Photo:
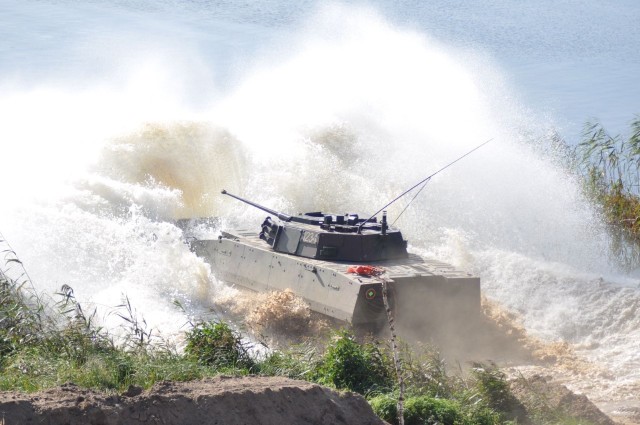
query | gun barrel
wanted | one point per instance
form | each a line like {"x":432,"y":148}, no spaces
{"x":281,"y":216}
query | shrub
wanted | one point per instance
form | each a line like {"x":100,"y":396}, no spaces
{"x":362,"y":368}
{"x":419,"y":410}
{"x":386,"y":407}
{"x":428,"y":410}
{"x":493,"y":389}
{"x":425,"y":373}
{"x":216,"y":344}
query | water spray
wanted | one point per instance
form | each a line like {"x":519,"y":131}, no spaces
{"x":421,"y":182}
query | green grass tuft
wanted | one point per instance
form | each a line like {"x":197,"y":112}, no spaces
{"x":216,"y":344}
{"x":360,"y":367}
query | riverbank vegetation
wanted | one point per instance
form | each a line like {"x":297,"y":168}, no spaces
{"x":43,"y":345}
{"x":609,"y":167}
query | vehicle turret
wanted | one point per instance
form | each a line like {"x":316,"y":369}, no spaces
{"x":328,"y":236}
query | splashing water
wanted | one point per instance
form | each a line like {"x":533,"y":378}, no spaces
{"x":344,"y":118}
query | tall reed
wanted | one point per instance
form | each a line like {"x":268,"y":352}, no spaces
{"x":610,"y":168}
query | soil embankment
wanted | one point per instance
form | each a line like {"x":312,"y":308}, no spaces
{"x":242,"y":400}
{"x":220,"y":400}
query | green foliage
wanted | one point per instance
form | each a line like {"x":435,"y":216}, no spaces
{"x":216,"y":344}
{"x":78,"y":337}
{"x":20,"y":317}
{"x":425,"y":373}
{"x":32,"y":370}
{"x":347,"y":364}
{"x":427,"y":410}
{"x":419,"y":410}
{"x":610,"y":161}
{"x":491,"y":387}
{"x":386,"y":407}
{"x":297,"y":362}
{"x":610,"y":168}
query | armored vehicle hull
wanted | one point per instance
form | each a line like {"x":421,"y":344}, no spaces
{"x":339,"y":264}
{"x":421,"y":292}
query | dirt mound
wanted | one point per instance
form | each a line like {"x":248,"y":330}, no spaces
{"x":220,"y":400}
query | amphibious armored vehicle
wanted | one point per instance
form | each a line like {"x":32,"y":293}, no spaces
{"x":337,"y":263}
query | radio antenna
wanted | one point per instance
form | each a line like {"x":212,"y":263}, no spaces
{"x":425,"y":180}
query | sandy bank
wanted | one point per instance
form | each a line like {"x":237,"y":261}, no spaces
{"x":220,"y":400}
